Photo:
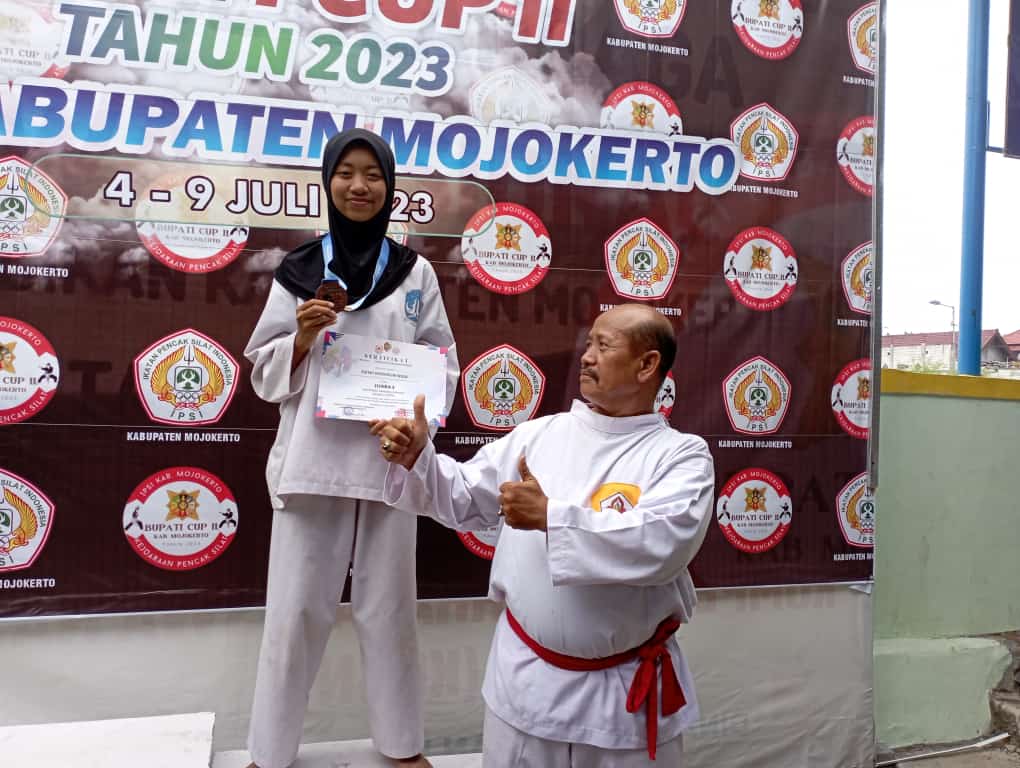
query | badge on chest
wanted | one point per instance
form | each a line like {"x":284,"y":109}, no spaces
{"x":615,"y":497}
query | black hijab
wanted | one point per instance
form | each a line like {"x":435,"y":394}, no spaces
{"x":356,"y":245}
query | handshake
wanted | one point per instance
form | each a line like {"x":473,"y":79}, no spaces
{"x":522,"y":504}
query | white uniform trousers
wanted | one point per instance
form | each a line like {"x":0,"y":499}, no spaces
{"x":309,"y":555}
{"x":503,"y":746}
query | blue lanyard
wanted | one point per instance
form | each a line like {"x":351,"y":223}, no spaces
{"x":380,"y":267}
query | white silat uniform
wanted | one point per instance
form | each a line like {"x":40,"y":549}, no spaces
{"x":325,"y":479}
{"x":629,"y":502}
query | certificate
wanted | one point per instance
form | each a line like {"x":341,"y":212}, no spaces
{"x":364,"y":378}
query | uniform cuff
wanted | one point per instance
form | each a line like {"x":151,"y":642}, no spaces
{"x":395,"y":484}
{"x":559,"y":521}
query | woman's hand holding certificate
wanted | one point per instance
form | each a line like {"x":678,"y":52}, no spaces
{"x":364,"y":379}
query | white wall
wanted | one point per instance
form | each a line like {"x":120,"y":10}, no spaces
{"x":783,"y":676}
{"x":930,"y":355}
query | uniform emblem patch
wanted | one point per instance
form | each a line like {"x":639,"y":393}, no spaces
{"x":615,"y":497}
{"x":412,"y":305}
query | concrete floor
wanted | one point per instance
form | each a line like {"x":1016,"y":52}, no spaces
{"x":988,"y":758}
{"x":168,"y":741}
{"x":343,"y":754}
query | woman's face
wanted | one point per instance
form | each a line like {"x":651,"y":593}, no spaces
{"x":358,"y":187}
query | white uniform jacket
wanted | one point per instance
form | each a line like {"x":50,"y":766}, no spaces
{"x":329,"y":457}
{"x":630,"y":500}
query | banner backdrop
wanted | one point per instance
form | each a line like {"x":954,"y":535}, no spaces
{"x":714,"y":159}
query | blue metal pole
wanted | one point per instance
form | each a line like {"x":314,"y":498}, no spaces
{"x":975,"y":147}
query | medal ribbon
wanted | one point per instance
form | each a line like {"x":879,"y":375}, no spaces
{"x":380,"y":267}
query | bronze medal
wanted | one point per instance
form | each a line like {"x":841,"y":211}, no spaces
{"x":330,"y":290}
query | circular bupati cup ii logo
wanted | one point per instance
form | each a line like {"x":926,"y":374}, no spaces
{"x":26,"y":517}
{"x":182,"y":245}
{"x":31,"y":208}
{"x":771,"y":29}
{"x":30,"y":38}
{"x":754,"y":510}
{"x":651,"y":18}
{"x":185,"y":378}
{"x":855,"y":511}
{"x":862,"y":34}
{"x":480,"y":543}
{"x":857,"y":272}
{"x":512,"y":255}
{"x":757,"y":397}
{"x":851,"y":398}
{"x":193,"y":248}
{"x":768,"y":143}
{"x":29,"y":371}
{"x":855,"y":153}
{"x":761,"y":268}
{"x":641,"y":260}
{"x":665,"y":398}
{"x":510,"y":94}
{"x":502,"y":388}
{"x":641,"y":106}
{"x":180,"y":518}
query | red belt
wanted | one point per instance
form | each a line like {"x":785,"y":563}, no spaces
{"x":644,"y":688}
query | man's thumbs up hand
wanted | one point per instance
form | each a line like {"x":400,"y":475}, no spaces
{"x":522,"y":468}
{"x":524,"y":504}
{"x":401,"y":441}
{"x":420,"y":423}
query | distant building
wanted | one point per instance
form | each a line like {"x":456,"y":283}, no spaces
{"x":936,"y":351}
{"x":1013,"y":340}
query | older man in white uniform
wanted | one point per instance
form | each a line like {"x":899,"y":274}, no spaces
{"x":602,"y":509}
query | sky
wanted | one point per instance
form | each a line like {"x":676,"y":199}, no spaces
{"x":925,"y":100}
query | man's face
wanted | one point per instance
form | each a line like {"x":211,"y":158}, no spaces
{"x":610,"y":364}
{"x":358,"y":187}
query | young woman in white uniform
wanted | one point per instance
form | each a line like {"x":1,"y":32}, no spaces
{"x":325,"y":476}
